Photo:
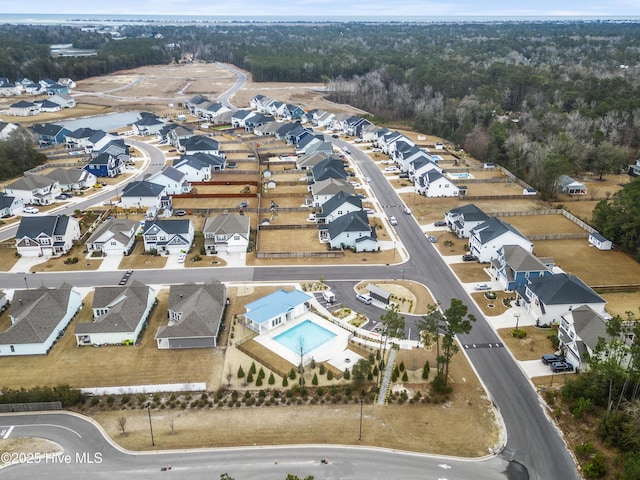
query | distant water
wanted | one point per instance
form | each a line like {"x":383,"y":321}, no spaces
{"x":87,"y":19}
{"x":108,"y":122}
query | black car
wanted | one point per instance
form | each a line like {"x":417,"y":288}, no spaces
{"x":440,"y":223}
{"x":180,"y":213}
{"x":552,"y":358}
{"x":335,"y":136}
{"x":558,"y":367}
{"x":469,"y":258}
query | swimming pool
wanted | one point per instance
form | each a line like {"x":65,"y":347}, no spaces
{"x":459,"y":176}
{"x":307,"y":334}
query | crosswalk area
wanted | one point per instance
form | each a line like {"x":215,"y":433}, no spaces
{"x":5,"y":432}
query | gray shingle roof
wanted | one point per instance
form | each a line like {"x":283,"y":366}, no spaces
{"x":339,"y":199}
{"x":331,"y":186}
{"x":173,"y":227}
{"x":201,"y":306}
{"x":227,"y":224}
{"x":563,"y":288}
{"x":126,"y":307}
{"x":199,"y":143}
{"x":142,"y":189}
{"x":493,"y":228}
{"x":589,"y":326}
{"x":117,"y":228}
{"x":37,"y":313}
{"x":31,"y":182}
{"x":351,"y":222}
{"x":51,"y":225}
{"x":521,"y":260}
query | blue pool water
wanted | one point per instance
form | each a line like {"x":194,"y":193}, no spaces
{"x":312,"y":335}
{"x":459,"y":176}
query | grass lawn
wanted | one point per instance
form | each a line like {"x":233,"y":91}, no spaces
{"x":470,"y":272}
{"x":493,"y":307}
{"x":111,"y":366}
{"x":531,"y":347}
{"x":58,"y":264}
{"x":138,"y":260}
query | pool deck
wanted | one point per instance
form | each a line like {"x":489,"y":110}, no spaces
{"x":334,"y":351}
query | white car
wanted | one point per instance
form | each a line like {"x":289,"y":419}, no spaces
{"x":393,"y":221}
{"x":182,"y":257}
{"x":482,"y":286}
{"x":391,"y":169}
{"x":30,"y":210}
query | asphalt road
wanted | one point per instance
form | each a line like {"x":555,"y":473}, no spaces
{"x":532,"y":440}
{"x":88,"y":455}
{"x":241,"y":78}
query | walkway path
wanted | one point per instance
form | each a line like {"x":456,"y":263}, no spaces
{"x":382,"y":396}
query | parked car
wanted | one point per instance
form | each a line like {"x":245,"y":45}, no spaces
{"x":482,"y":286}
{"x":552,"y":358}
{"x":361,"y":195}
{"x":407,"y":210}
{"x":390,"y":169}
{"x":30,"y":210}
{"x":557,"y":367}
{"x":364,"y":298}
{"x":62,"y":196}
{"x":469,"y":258}
{"x":393,"y":220}
{"x":368,"y":211}
{"x":432,"y":239}
{"x":335,"y":135}
{"x":347,"y":151}
{"x":403,"y":175}
{"x":180,"y":213}
{"x":439,"y":223}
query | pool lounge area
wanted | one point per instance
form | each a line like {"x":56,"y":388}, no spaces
{"x":459,"y":176}
{"x":321,"y":340}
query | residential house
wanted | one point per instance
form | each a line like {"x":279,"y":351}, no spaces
{"x":114,"y":237}
{"x":514,"y":266}
{"x":256,"y":120}
{"x":71,"y":179}
{"x":196,"y":314}
{"x":570,"y":186}
{"x":286,"y":128}
{"x":199,"y":144}
{"x":325,"y":189}
{"x":47,"y":106}
{"x":634,"y":170}
{"x":67,"y":82}
{"x":212,"y":110}
{"x":461,"y":220}
{"x":79,"y":138}
{"x":370,"y":133}
{"x":34,"y":189}
{"x":548,"y":298}
{"x":8,"y":88}
{"x":174,"y":181}
{"x":340,"y":204}
{"x":168,"y":236}
{"x":38,"y":319}
{"x":120,"y":313}
{"x":268,"y":129}
{"x":46,"y":236}
{"x":434,"y":184}
{"x":10,"y":206}
{"x":387,"y":143}
{"x":328,"y":168}
{"x":142,"y":194}
{"x":352,"y":231}
{"x":23,"y":109}
{"x":49,"y":134}
{"x":148,"y":125}
{"x":487,"y":238}
{"x":176,"y":135}
{"x":308,"y":161}
{"x":239,"y":118}
{"x":195,"y":102}
{"x":193,"y":169}
{"x":104,"y":165}
{"x":355,"y":124}
{"x":275,"y":309}
{"x":226,"y":232}
{"x":63,"y":99}
{"x":600,"y":241}
{"x":581,"y":330}
{"x":6,"y":129}
{"x":292,"y":112}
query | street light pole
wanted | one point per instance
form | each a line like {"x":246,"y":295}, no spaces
{"x":25,"y":283}
{"x":361,"y":403}
{"x":153,"y":444}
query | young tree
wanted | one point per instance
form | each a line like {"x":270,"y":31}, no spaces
{"x":122,"y":425}
{"x":360,"y":371}
{"x":457,"y":322}
{"x":392,"y":326}
{"x":429,"y":325}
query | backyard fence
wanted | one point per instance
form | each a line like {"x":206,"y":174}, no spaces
{"x":551,"y":211}
{"x":628,"y":288}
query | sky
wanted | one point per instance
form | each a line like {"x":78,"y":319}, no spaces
{"x":301,"y":8}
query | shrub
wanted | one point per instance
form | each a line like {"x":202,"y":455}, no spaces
{"x":258,"y":381}
{"x":425,"y":370}
{"x":272,"y":379}
{"x":240,"y":372}
{"x":518,"y":333}
{"x":314,"y":380}
{"x":292,"y":374}
{"x":405,"y":377}
{"x":401,"y":366}
{"x":596,"y":468}
{"x":347,"y":374}
{"x":329,"y":375}
{"x":95,"y":401}
{"x":250,"y":377}
{"x":584,"y":450}
{"x":285,"y":382}
{"x":125,"y":399}
{"x":261,"y":373}
{"x":322,"y":369}
{"x":252,"y":368}
{"x":110,"y":400}
{"x":312,"y":365}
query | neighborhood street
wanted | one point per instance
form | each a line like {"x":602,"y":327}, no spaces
{"x":531,"y":439}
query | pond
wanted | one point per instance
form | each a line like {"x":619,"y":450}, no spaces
{"x":108,"y":122}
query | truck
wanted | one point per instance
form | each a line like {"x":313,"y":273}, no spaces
{"x":329,"y":296}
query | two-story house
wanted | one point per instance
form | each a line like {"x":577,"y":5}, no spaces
{"x":168,"y":236}
{"x":34,"y":189}
{"x":340,"y":204}
{"x":461,"y":220}
{"x":142,"y":194}
{"x":226,"y":233}
{"x":46,"y":235}
{"x":174,"y":181}
{"x":514,"y":266}
{"x":115,"y":236}
{"x":487,"y":238}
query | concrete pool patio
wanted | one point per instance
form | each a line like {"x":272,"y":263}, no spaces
{"x":334,"y":351}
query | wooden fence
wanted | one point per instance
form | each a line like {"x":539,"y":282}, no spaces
{"x":552,"y":211}
{"x":628,"y":288}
